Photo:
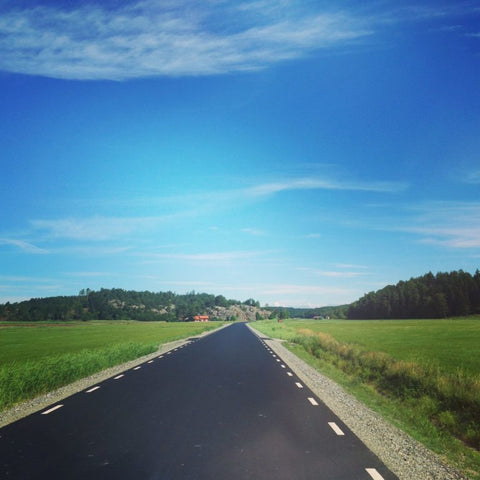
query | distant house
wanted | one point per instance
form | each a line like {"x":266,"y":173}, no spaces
{"x":201,"y":318}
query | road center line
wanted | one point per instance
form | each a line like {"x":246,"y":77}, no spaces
{"x":298,"y":384}
{"x":374,"y":474}
{"x":92,"y":389}
{"x":52,"y":409}
{"x":119,"y":376}
{"x":312,"y":401}
{"x":336,"y":428}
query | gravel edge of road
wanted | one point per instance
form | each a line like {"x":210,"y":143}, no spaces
{"x":41,"y":402}
{"x":405,"y":457}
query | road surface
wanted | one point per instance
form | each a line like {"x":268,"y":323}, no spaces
{"x":221,"y":407}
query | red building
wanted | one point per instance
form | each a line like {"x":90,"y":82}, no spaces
{"x":201,"y":318}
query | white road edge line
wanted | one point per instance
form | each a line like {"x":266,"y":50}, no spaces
{"x":335,"y":428}
{"x":92,"y":389}
{"x":298,"y":384}
{"x":119,"y":376}
{"x":374,"y":474}
{"x":312,"y":401}
{"x":52,"y":409}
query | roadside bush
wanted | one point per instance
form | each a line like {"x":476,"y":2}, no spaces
{"x":451,"y":400}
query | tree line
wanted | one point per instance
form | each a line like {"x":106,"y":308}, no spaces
{"x":430,"y":296}
{"x":116,"y":304}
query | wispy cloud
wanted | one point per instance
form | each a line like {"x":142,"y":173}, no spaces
{"x":473,"y":177}
{"x":95,"y":228}
{"x":325,"y":184}
{"x":340,"y":273}
{"x":449,"y":224}
{"x":25,"y":247}
{"x":218,"y":257}
{"x":256,"y":232}
{"x":148,"y":38}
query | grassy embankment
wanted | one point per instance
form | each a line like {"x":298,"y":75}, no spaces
{"x":423,"y":375}
{"x":39,"y":357}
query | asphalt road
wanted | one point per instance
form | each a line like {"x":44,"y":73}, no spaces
{"x":222,"y":407}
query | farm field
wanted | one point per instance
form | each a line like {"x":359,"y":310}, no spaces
{"x":37,"y":358}
{"x":33,"y":341}
{"x":450,"y":344}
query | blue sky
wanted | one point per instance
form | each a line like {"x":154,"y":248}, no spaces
{"x":300,"y":153}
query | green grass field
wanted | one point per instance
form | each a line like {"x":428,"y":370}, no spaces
{"x":39,"y":357}
{"x":423,"y":375}
{"x":33,"y":341}
{"x":450,"y":344}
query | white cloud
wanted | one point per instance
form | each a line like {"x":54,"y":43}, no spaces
{"x":324,"y":184}
{"x":473,"y":177}
{"x":148,"y":38}
{"x":26,"y":247}
{"x":256,"y":232}
{"x":207,"y":256}
{"x":95,"y":228}
{"x":449,"y":224}
{"x":333,"y":273}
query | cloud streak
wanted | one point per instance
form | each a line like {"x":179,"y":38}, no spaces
{"x":25,"y":247}
{"x":147,"y":38}
{"x":450,"y":224}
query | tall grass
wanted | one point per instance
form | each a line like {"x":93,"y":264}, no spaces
{"x":454,"y":398}
{"x":24,"y":380}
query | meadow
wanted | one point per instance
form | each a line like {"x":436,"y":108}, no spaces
{"x":38,"y":357}
{"x":424,"y":375}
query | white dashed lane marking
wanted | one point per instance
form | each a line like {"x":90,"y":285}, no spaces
{"x":336,"y":428}
{"x":137,"y":368}
{"x":290,"y":374}
{"x":161,"y":356}
{"x":312,"y":401}
{"x":93,"y":389}
{"x":374,"y":474}
{"x":283,"y":366}
{"x":298,"y":384}
{"x":119,"y":376}
{"x":56,"y":407}
{"x":278,"y":360}
{"x":151,"y":361}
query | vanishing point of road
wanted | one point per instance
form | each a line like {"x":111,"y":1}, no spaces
{"x":222,"y":407}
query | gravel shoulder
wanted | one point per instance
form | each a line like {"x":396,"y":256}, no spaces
{"x":39,"y":403}
{"x":403,"y":455}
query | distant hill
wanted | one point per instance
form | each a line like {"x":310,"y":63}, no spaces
{"x":116,"y":304}
{"x":430,"y":296}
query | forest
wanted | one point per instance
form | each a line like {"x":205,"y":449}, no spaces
{"x":116,"y":304}
{"x":430,"y":296}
